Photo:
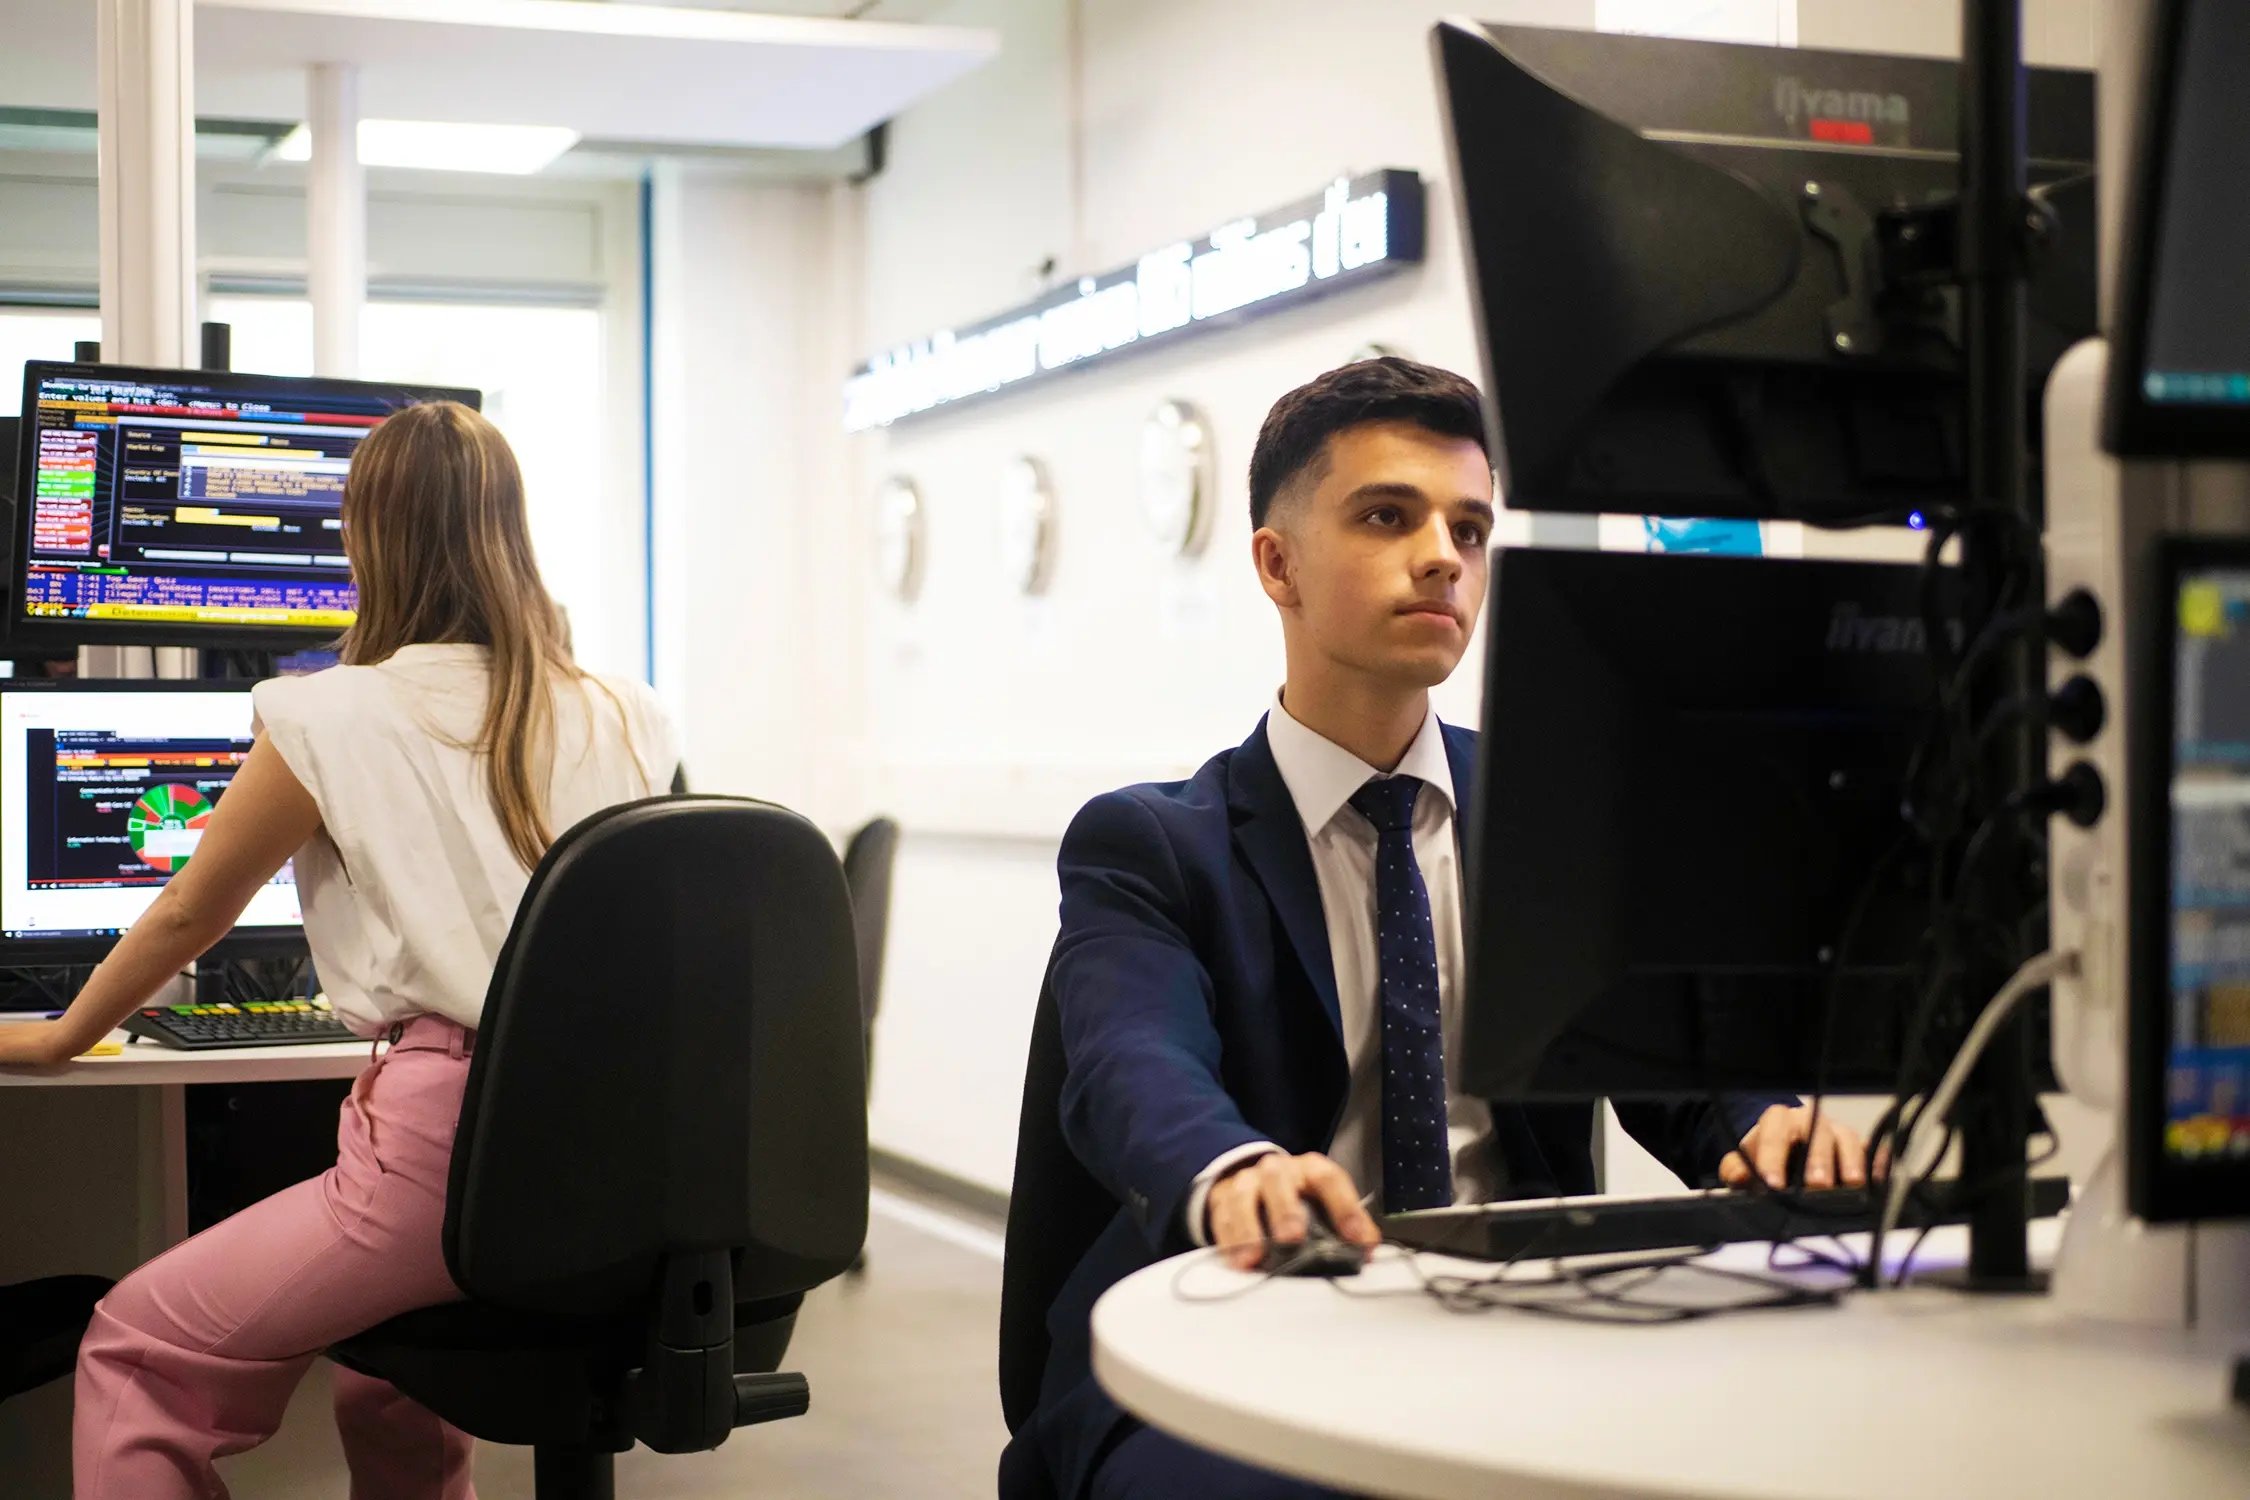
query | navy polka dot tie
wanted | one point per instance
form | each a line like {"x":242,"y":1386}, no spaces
{"x":1417,"y":1160}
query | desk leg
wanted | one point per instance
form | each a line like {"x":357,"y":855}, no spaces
{"x":164,"y":1214}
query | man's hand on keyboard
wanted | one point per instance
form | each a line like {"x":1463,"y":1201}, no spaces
{"x":1835,"y":1154}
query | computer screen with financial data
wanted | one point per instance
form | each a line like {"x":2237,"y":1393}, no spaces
{"x":187,"y":507}
{"x":2192,"y":1050}
{"x":106,"y":790}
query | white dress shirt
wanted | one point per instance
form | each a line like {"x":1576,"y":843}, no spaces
{"x":1322,"y":776}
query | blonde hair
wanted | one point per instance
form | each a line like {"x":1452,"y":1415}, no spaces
{"x":440,"y":548}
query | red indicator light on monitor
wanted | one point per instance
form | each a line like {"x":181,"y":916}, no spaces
{"x":1843,"y":132}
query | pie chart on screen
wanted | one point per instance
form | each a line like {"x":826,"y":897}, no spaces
{"x":166,"y":824}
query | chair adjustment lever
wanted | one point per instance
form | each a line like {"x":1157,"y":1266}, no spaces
{"x":770,"y":1398}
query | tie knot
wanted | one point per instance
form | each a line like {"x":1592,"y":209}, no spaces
{"x":1388,"y":802}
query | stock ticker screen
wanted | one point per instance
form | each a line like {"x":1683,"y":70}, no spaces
{"x":2207,"y":1055}
{"x":190,"y":501}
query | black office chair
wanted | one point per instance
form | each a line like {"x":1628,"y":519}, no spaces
{"x":663,"y":1145}
{"x":1056,"y":1210}
{"x":41,"y":1323}
{"x":869,"y":855}
{"x":868,"y":858}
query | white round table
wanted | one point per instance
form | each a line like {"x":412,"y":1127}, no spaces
{"x":1911,"y":1395}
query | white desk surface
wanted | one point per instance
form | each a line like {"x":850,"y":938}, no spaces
{"x":1915,"y":1395}
{"x":147,"y":1063}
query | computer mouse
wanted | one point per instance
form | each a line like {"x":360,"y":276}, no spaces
{"x":1322,"y":1252}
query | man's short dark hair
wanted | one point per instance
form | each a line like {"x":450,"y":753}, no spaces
{"x":1389,"y":389}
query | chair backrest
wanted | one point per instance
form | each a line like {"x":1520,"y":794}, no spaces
{"x":1056,"y":1210}
{"x":868,"y":857}
{"x":669,"y":1061}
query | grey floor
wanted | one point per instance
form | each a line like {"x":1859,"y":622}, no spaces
{"x":905,"y":1400}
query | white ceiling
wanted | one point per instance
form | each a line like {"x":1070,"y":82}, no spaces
{"x":620,"y":71}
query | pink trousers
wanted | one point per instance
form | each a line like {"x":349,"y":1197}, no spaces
{"x":194,"y":1356}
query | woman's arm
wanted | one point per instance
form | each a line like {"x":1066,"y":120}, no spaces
{"x":265,"y":817}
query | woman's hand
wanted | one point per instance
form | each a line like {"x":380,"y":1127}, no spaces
{"x":34,"y":1044}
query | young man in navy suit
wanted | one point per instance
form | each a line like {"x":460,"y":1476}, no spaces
{"x":1257,"y":986}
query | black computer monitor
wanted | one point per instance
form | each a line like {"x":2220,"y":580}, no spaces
{"x":2179,"y":366}
{"x":1692,"y":772}
{"x":1696,"y":293}
{"x":105,"y":790}
{"x":187,"y":507}
{"x":2187,"y":1128}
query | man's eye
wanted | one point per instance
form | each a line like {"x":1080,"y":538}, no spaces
{"x":1469,"y":535}
{"x":1385,"y":515}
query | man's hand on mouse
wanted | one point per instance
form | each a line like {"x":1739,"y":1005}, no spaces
{"x":1835,"y":1154}
{"x":1264,"y":1199}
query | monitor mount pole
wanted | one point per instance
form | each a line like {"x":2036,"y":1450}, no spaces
{"x":1998,"y":228}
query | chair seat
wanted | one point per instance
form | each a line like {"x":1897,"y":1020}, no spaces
{"x":530,"y":1380}
{"x":498,"y":1374}
{"x":41,"y":1323}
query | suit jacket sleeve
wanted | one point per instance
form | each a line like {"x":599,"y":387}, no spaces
{"x":1692,"y":1138}
{"x":1143,"y":1106}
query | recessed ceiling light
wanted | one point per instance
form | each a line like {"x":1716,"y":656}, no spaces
{"x":435,"y":146}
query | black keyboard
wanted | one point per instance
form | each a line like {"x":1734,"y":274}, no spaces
{"x":1548,"y":1227}
{"x":279,"y":1023}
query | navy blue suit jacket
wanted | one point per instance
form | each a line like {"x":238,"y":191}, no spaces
{"x":1196,"y":1001}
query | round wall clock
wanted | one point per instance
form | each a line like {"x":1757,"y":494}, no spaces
{"x":1027,"y":525}
{"x":1178,"y":480}
{"x":900,"y":536}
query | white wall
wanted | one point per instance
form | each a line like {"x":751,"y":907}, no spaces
{"x":2057,"y":33}
{"x":752,"y":582}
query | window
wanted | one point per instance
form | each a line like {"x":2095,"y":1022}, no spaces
{"x":543,"y":375}
{"x":28,"y":333}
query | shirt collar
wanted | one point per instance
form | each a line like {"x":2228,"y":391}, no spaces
{"x":437,"y":651}
{"x":1322,"y":775}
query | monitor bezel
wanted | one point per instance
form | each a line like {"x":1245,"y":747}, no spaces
{"x":45,"y":631}
{"x":2132,"y":425}
{"x":239,"y":942}
{"x":2158,"y":1189}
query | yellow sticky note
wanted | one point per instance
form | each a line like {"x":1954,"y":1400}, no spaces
{"x":104,"y":1049}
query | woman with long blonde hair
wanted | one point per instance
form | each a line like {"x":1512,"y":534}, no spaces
{"x":416,"y":785}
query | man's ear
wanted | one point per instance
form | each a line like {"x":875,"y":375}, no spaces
{"x":1270,"y":551}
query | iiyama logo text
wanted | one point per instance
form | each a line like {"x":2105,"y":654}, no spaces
{"x":1850,"y":630}
{"x":1796,"y":103}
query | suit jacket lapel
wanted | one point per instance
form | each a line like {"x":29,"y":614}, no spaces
{"x":1461,"y":755}
{"x":1272,"y":838}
